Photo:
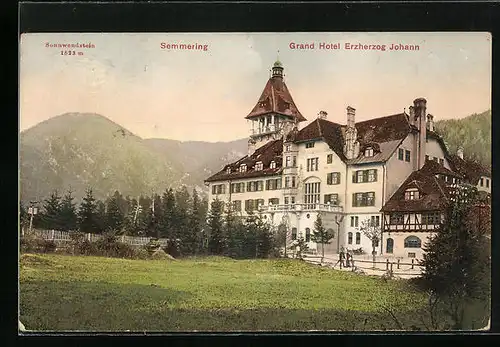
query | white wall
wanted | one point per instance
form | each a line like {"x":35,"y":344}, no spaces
{"x":484,"y":188}
{"x":399,"y":170}
{"x":399,"y":250}
{"x":434,"y":149}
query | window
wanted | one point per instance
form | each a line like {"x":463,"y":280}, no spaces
{"x":354,"y":221}
{"x":375,"y":221}
{"x":228,"y":170}
{"x":287,"y":148}
{"x":407,"y":155}
{"x":487,"y":183}
{"x":294,"y":233}
{"x":259,"y":166}
{"x":288,"y":161}
{"x":431,"y":218}
{"x":312,"y":164}
{"x":243,"y":167}
{"x":412,"y":194}
{"x":369,"y":152}
{"x":362,"y":176}
{"x":255,"y":186}
{"x":237,"y":187}
{"x":259,"y":202}
{"x":329,"y":158}
{"x":273,"y":184}
{"x":358,"y":238}
{"x":481,"y":182}
{"x":333,"y":178}
{"x":287,"y":182}
{"x":249,"y":205}
{"x":400,"y":153}
{"x":426,"y":159}
{"x":333,"y":199}
{"x":411,"y":255}
{"x":309,"y":144}
{"x":441,"y":161}
{"x":312,"y":193}
{"x":286,"y":200}
{"x":237,"y":205}
{"x":389,"y":246}
{"x":294,"y":161}
{"x":293,"y":181}
{"x":413,"y":242}
{"x":349,"y":238}
{"x":292,"y":200}
{"x":219,"y":189}
{"x":396,"y":219}
{"x":308,"y":235}
{"x":274,"y":201}
{"x":363,"y":199}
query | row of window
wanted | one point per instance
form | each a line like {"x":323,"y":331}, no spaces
{"x":363,"y":176}
{"x":259,"y":166}
{"x":431,"y":218}
{"x":404,"y":154}
{"x":436,"y":159}
{"x":482,"y":182}
{"x":374,"y":220}
{"x":409,"y":242}
{"x":308,"y":234}
{"x":363,"y":199}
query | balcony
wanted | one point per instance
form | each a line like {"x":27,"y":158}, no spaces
{"x":264,"y":130}
{"x":290,"y":191}
{"x":302,"y":208}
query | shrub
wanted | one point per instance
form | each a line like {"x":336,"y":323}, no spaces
{"x":109,"y":246}
{"x":141,"y":253}
{"x":80,"y":245}
{"x":172,"y":248}
{"x":31,"y":243}
{"x":152,"y":246}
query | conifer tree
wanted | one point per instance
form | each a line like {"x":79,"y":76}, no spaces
{"x":216,"y":240}
{"x":168,"y":215}
{"x":192,"y":236}
{"x":321,"y":235}
{"x":68,"y":214}
{"x":181,"y":221}
{"x":456,"y":260}
{"x":51,"y":212}
{"x":100,"y":217}
{"x":87,"y":214}
{"x":114,"y":215}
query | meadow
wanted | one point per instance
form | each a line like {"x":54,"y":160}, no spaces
{"x":81,"y":293}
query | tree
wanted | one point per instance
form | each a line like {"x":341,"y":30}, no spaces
{"x":100,"y":217}
{"x":300,"y":246}
{"x":87,"y":214}
{"x":181,"y":220}
{"x":217,"y":239}
{"x":192,"y":236}
{"x":281,"y":236}
{"x":321,"y":235}
{"x":68,"y":214}
{"x":24,"y":217}
{"x":167,"y":219}
{"x":114,"y":216}
{"x":373,"y":232}
{"x":52,"y":211}
{"x":456,"y":260}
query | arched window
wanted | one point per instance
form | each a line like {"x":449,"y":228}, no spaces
{"x":413,"y":242}
{"x":390,"y":246}
{"x":308,"y":235}
{"x":349,"y":238}
{"x":331,"y":232}
{"x":358,"y":238}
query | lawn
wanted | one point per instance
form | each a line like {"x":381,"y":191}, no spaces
{"x":59,"y":292}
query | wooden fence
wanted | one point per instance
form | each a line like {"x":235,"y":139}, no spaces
{"x":64,"y":236}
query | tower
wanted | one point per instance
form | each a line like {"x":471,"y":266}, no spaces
{"x":275,"y":113}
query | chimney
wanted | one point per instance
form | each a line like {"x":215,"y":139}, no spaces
{"x":251,"y":147}
{"x":351,"y":146}
{"x":460,"y":152}
{"x":322,"y":114}
{"x":412,"y":115}
{"x":430,"y":122}
{"x":351,"y":114}
{"x":420,"y":106}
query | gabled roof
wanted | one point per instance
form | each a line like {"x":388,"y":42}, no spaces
{"x":322,"y":129}
{"x":471,"y":170}
{"x":274,"y":99}
{"x":434,"y":191}
{"x":384,"y":129}
{"x":271,"y":151}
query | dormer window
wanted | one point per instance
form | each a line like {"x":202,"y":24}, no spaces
{"x":243,"y":167}
{"x":369,"y":152}
{"x":309,"y":144}
{"x":228,"y":170}
{"x":412,"y":194}
{"x":287,"y":105}
{"x":259,"y":166}
{"x":272,"y":165}
{"x":261,"y":104}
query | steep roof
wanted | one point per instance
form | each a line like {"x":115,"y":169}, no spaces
{"x":322,"y":129}
{"x":434,"y":191}
{"x":471,"y":170}
{"x":271,"y":151}
{"x":384,"y":129}
{"x":276,"y":98}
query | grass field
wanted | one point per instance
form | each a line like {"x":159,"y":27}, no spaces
{"x":59,"y":292}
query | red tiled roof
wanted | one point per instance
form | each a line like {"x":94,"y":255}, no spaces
{"x":322,"y":129}
{"x":384,"y":129}
{"x":274,"y":99}
{"x":434,"y":191}
{"x":471,"y":170}
{"x":271,"y":151}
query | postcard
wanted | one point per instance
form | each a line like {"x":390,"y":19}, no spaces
{"x":241,"y":182}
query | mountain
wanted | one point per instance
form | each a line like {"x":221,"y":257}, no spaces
{"x":472,"y":132}
{"x":79,"y":150}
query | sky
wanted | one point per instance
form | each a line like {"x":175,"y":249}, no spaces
{"x":205,"y":95}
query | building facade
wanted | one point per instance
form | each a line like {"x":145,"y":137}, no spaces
{"x":346,"y":173}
